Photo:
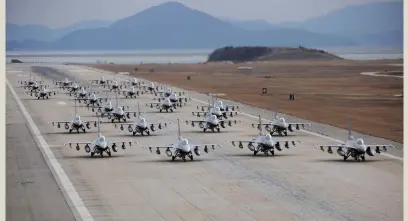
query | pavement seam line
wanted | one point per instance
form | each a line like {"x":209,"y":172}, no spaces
{"x":252,"y":116}
{"x":62,"y":179}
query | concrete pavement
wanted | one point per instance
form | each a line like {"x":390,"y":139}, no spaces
{"x":300,"y":183}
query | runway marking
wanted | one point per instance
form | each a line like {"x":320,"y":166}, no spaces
{"x":375,"y":74}
{"x":304,"y":131}
{"x":58,"y":172}
{"x":61,"y":103}
{"x":310,"y":132}
{"x":14,"y":71}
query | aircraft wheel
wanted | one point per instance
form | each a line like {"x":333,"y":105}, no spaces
{"x":83,"y":129}
{"x":344,"y":158}
{"x":363,"y":158}
{"x":109,"y":154}
{"x":77,"y":131}
{"x":204,"y":129}
{"x":160,"y":110}
{"x":218,"y":129}
{"x":273,"y":152}
{"x":173,"y":158}
{"x":101,"y":154}
{"x":184,"y":159}
{"x":286,"y":133}
{"x":255,"y":152}
{"x":142,"y":133}
{"x":171,"y":110}
{"x":191,"y":157}
{"x":134,"y":133}
{"x":70,"y":130}
{"x":167,"y":110}
{"x":148,"y":133}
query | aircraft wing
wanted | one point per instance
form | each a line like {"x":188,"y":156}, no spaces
{"x":296,"y":125}
{"x":123,"y":143}
{"x":263,"y":124}
{"x":197,"y":147}
{"x":77,"y":143}
{"x":232,"y":107}
{"x":203,"y":107}
{"x":199,"y":113}
{"x":194,"y":122}
{"x":170,"y":146}
{"x":329,"y":148}
{"x":127,"y":113}
{"x":240,"y":142}
{"x":154,"y":104}
{"x":377,"y":147}
{"x":58,"y":123}
{"x":94,"y":122}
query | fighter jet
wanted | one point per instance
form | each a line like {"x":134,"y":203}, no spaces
{"x":151,"y":87}
{"x":263,"y":143}
{"x":100,"y":145}
{"x":76,"y":124}
{"x":218,"y":103}
{"x":280,"y":126}
{"x":64,"y":83}
{"x":101,"y":81}
{"x":44,"y":93}
{"x":211,"y":122}
{"x":355,"y":148}
{"x":131,"y":92}
{"x":182,"y":147}
{"x":165,"y":105}
{"x":217,"y":112}
{"x":30,"y":81}
{"x":141,"y":125}
{"x":117,"y":113}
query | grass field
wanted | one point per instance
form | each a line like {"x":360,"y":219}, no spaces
{"x":328,"y":92}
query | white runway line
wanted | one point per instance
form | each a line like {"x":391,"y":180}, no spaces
{"x":304,"y":131}
{"x":14,"y":71}
{"x":376,"y":74}
{"x":73,"y":199}
{"x":61,"y":103}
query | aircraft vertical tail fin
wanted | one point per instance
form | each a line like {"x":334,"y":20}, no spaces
{"x":75,"y":110}
{"x":138,"y":108}
{"x":276,"y":112}
{"x":99,"y":128}
{"x":350,"y":137}
{"x":260,"y":125}
{"x":178,"y":127}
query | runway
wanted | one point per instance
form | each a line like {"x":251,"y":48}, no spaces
{"x":299,"y":183}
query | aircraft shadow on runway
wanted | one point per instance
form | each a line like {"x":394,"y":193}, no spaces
{"x":167,"y":160}
{"x":95,"y":131}
{"x":340,"y":160}
{"x":97,"y":156}
{"x":208,"y":132}
{"x":35,"y":99}
{"x":130,"y":135}
{"x":250,"y":154}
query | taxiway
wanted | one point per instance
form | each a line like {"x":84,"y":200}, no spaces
{"x":299,"y":183}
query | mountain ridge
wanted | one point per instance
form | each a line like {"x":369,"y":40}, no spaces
{"x":173,"y":25}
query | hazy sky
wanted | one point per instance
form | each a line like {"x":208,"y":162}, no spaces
{"x":57,"y":13}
